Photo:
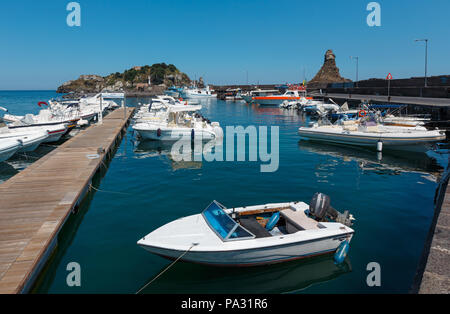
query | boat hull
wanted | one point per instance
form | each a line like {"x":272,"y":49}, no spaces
{"x":260,"y":256}
{"x":9,"y":151}
{"x":272,"y":100}
{"x":400,"y":143}
{"x":174,"y":135}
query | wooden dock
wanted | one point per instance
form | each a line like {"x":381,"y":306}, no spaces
{"x":35,"y":203}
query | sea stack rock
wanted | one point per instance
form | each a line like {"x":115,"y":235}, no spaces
{"x":328,"y":73}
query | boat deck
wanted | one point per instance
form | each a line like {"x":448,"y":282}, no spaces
{"x":35,"y":203}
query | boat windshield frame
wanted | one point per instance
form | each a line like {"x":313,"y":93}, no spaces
{"x":223,"y":232}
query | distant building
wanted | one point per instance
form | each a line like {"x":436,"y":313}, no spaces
{"x":141,"y":86}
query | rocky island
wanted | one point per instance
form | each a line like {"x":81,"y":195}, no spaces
{"x":328,"y":73}
{"x":139,"y":80}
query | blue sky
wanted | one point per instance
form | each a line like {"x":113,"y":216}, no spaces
{"x":275,"y":41}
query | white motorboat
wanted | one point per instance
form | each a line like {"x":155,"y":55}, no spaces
{"x":254,"y":235}
{"x":29,"y":139}
{"x":45,"y":117}
{"x":404,"y":121}
{"x":374,"y":135}
{"x":249,"y":96}
{"x":55,"y":132}
{"x":178,"y":122}
{"x":195,"y":92}
{"x":8,"y":147}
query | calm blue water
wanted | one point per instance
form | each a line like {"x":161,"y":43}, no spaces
{"x":392,"y":200}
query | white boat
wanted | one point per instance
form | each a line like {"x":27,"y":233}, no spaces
{"x":178,"y":122}
{"x":233,"y":94}
{"x":254,"y":235}
{"x":29,"y":139}
{"x":8,"y":147}
{"x":45,"y":117}
{"x":404,"y":121}
{"x":293,"y":94}
{"x":195,"y":92}
{"x":249,"y":96}
{"x":55,"y":132}
{"x":353,"y":132}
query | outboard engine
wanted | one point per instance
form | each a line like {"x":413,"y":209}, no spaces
{"x":320,"y":209}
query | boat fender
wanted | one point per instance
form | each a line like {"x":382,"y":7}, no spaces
{"x":158,"y":132}
{"x":273,"y":221}
{"x":379,"y":146}
{"x":192,"y":134}
{"x":341,"y":252}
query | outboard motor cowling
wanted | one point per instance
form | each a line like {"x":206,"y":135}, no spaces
{"x":320,"y":209}
{"x":319,"y":205}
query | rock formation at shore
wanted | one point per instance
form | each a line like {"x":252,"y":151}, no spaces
{"x":328,"y":73}
{"x":136,"y":79}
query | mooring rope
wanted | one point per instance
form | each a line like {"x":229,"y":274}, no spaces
{"x":167,"y":268}
{"x":98,"y":190}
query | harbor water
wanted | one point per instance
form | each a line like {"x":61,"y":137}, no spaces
{"x":143,"y":188}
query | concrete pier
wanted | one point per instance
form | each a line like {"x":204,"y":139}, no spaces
{"x":435,"y":272}
{"x":35,"y":203}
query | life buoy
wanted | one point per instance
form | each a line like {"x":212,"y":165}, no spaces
{"x":362,"y":113}
{"x":42,"y":103}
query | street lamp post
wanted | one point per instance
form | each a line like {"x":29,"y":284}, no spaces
{"x":426,"y":57}
{"x":357,"y":65}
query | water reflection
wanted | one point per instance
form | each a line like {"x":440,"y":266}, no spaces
{"x":281,"y":278}
{"x":394,"y":163}
{"x":185,"y":155}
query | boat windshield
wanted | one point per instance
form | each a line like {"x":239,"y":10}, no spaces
{"x":223,"y":225}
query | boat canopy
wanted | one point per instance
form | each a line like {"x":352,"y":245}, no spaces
{"x":223,"y":225}
{"x":185,"y":108}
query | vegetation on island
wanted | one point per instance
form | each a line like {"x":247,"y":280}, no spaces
{"x":138,"y":78}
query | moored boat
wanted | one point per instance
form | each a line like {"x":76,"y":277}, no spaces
{"x":8,"y":147}
{"x":177,"y":122}
{"x":254,"y":235}
{"x":353,"y":132}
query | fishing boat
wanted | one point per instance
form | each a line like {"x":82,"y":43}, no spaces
{"x":178,"y":122}
{"x":371,"y":134}
{"x":255,"y":235}
{"x":195,"y":92}
{"x":8,"y":147}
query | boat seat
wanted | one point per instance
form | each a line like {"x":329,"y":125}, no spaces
{"x":297,"y":220}
{"x":252,"y":225}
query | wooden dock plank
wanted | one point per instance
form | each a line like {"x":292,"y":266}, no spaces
{"x":34,"y":203}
